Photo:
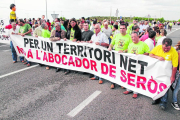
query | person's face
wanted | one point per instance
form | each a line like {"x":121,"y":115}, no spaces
{"x":14,"y":25}
{"x":135,"y":38}
{"x":166,"y":48}
{"x":85,"y":26}
{"x":82,"y":19}
{"x":43,"y":17}
{"x":55,"y":20}
{"x":122,"y":29}
{"x":106,"y":26}
{"x":116,"y":23}
{"x":46,"y":26}
{"x":57,"y":27}
{"x":137,"y":30}
{"x":62,"y":22}
{"x":146,"y":23}
{"x":14,"y":8}
{"x":134,"y":21}
{"x":20,"y":23}
{"x":97,"y":29}
{"x":73,"y":24}
{"x":80,"y":25}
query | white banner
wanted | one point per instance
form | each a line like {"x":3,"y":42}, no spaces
{"x":139,"y":73}
{"x":3,"y":31}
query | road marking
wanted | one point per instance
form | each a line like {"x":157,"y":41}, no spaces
{"x":82,"y":105}
{"x":6,"y":50}
{"x":18,"y":71}
{"x":173,"y":31}
{"x":3,"y":45}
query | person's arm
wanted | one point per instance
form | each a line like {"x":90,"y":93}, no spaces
{"x":77,"y":35}
{"x":110,"y":47}
{"x":105,"y":44}
{"x":30,"y":30}
{"x":146,"y":54}
{"x":157,"y":57}
{"x":174,"y":69}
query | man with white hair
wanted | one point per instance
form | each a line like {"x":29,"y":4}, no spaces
{"x":101,"y":39}
{"x":107,"y":30}
{"x":57,"y":35}
{"x":13,"y":31}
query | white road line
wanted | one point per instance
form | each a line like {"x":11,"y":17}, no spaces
{"x":6,"y":50}
{"x":173,"y":31}
{"x":82,"y":105}
{"x":18,"y":71}
{"x":3,"y":45}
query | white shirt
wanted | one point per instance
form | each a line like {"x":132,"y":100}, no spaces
{"x":141,"y":28}
{"x":145,"y":27}
{"x":150,"y":43}
{"x":107,"y":31}
{"x":14,"y":31}
{"x":116,"y":32}
{"x":92,"y":28}
{"x":101,"y":38}
{"x":159,"y":42}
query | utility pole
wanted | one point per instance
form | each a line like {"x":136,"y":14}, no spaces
{"x":46,"y":10}
{"x":110,"y":12}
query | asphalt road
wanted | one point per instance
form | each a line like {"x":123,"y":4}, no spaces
{"x":40,"y":94}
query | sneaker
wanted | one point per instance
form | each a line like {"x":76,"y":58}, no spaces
{"x":162,"y":106}
{"x":93,"y":78}
{"x":126,"y":92}
{"x":47,"y":68}
{"x":112,"y":86}
{"x":135,"y":96}
{"x":175,"y":106}
{"x":100,"y":82}
{"x":28,"y":64}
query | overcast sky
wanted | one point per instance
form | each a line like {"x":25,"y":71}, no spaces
{"x":169,"y":9}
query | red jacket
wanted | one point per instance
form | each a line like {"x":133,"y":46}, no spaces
{"x":49,"y":26}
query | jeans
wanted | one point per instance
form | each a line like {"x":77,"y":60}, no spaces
{"x":175,"y":91}
{"x":109,"y":40}
{"x":97,"y":76}
{"x":164,"y":98}
{"x":14,"y":55}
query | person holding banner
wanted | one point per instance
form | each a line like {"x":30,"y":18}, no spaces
{"x":121,"y":42}
{"x":176,"y":88}
{"x":166,"y":52}
{"x":13,"y":31}
{"x":45,"y":34}
{"x":101,"y":39}
{"x":57,"y":35}
{"x":136,"y":47}
{"x":25,"y":29}
{"x":73,"y":34}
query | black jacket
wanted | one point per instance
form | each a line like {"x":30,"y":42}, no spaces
{"x":77,"y":34}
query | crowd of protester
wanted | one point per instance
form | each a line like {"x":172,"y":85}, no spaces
{"x":140,"y":37}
